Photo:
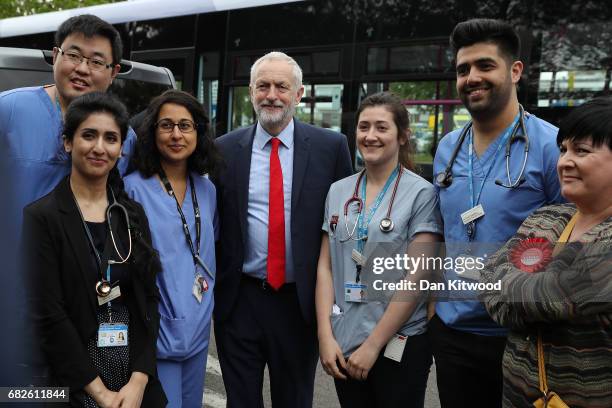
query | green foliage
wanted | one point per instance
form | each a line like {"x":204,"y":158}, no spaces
{"x":15,"y":8}
{"x":423,"y":90}
{"x":242,"y":110}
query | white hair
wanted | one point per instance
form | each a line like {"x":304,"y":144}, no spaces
{"x":278,"y":56}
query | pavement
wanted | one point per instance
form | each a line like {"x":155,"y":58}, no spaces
{"x":324,"y":395}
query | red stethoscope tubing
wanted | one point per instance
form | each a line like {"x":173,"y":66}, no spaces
{"x":355,"y":197}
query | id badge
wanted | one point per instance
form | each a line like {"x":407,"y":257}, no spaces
{"x":355,"y":292}
{"x":395,"y":347}
{"x":112,"y":335}
{"x":200,"y":285}
{"x":472,"y":214}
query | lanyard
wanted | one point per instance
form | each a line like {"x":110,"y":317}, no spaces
{"x":364,"y":221}
{"x":109,"y":308}
{"x":195,"y":250}
{"x":98,"y":258}
{"x":503,"y":141}
{"x":567,"y":231}
{"x":92,"y":244}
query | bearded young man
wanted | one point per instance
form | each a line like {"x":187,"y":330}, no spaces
{"x":480,"y":204}
{"x":271,"y":196}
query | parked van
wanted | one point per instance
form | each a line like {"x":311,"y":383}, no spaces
{"x":135,"y":85}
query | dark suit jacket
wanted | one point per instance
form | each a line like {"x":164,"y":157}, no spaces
{"x":63,"y":304}
{"x":320,"y":157}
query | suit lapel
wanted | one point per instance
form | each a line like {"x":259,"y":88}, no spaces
{"x":242,"y":170}
{"x":300,"y":161}
{"x":77,"y":240}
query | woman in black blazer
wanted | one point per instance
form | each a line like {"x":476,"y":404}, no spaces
{"x":92,"y":269}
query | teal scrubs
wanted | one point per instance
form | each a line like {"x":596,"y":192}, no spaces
{"x":415,"y":210}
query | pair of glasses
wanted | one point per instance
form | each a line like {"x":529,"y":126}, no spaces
{"x":94,"y":63}
{"x":167,"y":126}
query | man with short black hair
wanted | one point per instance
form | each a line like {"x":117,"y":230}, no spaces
{"x":85,"y":59}
{"x":484,"y":202}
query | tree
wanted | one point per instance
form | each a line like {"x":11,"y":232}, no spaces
{"x":15,"y":8}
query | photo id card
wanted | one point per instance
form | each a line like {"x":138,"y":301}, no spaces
{"x":112,"y":335}
{"x":355,"y":292}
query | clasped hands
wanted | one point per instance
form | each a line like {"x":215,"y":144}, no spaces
{"x":358,"y":364}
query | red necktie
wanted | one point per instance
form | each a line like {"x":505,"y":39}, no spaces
{"x":276,"y":221}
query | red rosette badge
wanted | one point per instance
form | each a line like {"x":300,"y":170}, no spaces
{"x":531,"y":254}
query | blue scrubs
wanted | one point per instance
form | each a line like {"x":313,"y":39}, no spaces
{"x":184,"y":323}
{"x":31,"y":141}
{"x":505,"y":209}
{"x":33,"y":162}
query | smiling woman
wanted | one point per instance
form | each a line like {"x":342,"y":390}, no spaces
{"x":355,"y":327}
{"x":585,"y":162}
{"x":173,"y":153}
{"x":95,"y":147}
{"x":94,"y":301}
{"x":564,"y":306}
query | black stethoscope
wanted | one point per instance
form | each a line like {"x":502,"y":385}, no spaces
{"x":386,"y":224}
{"x":445,"y":178}
{"x":103,"y":286}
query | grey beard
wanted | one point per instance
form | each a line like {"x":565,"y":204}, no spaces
{"x":273,"y":120}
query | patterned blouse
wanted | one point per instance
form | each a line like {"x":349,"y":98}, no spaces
{"x":568,"y":299}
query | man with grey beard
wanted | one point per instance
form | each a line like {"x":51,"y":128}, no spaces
{"x":271,"y":196}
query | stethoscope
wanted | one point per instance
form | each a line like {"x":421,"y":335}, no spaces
{"x":445,"y":178}
{"x":386,"y":224}
{"x":103,"y":286}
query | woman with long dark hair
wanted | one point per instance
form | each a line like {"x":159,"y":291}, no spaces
{"x":173,"y":153}
{"x":92,"y":269}
{"x":371,"y":341}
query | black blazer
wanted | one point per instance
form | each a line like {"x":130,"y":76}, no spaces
{"x":62,"y":296}
{"x":320,"y":157}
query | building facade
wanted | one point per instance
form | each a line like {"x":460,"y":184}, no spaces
{"x":351,"y":48}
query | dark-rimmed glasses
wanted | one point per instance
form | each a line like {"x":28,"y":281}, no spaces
{"x":76,"y":58}
{"x":167,"y":126}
